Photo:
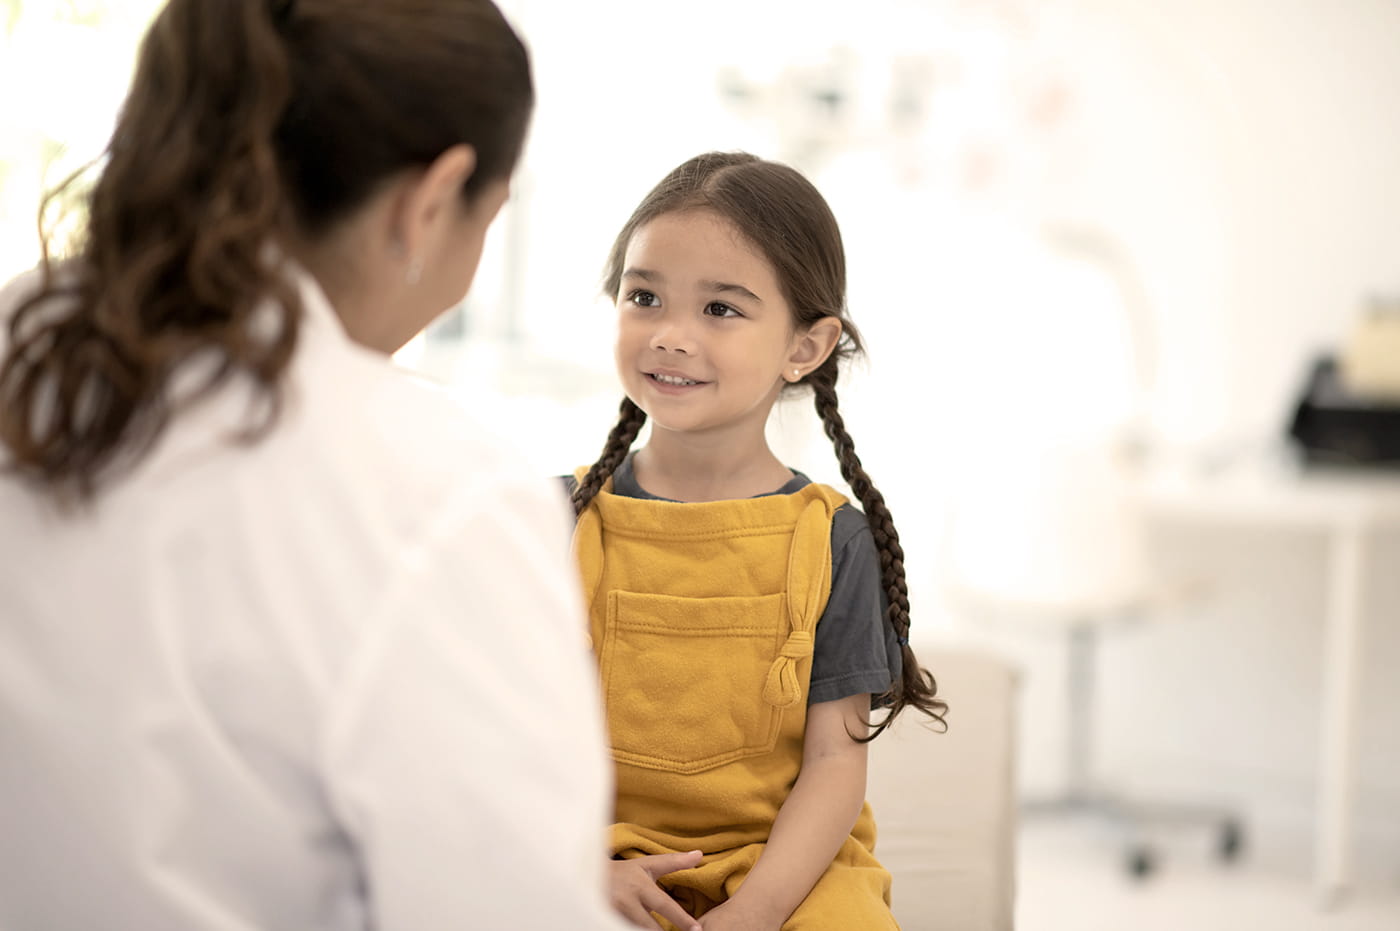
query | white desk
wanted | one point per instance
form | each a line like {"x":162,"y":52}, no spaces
{"x":1348,"y":508}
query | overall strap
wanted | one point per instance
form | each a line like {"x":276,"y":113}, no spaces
{"x":808,"y":587}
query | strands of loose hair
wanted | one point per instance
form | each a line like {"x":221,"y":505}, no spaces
{"x":171,"y":261}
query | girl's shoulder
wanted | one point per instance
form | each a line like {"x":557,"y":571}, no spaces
{"x":849,"y":526}
{"x":847,"y":523}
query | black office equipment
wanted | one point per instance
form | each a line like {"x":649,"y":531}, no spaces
{"x":1333,"y":426}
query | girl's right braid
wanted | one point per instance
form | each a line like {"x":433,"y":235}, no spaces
{"x":917,"y":687}
{"x":624,"y":433}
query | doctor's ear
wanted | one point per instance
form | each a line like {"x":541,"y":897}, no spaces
{"x":430,"y":196}
{"x":812,"y":347}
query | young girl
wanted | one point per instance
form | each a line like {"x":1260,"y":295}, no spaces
{"x":742,"y":616}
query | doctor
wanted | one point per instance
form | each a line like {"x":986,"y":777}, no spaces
{"x":286,"y":640}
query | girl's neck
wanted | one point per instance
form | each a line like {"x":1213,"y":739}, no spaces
{"x":683,"y":469}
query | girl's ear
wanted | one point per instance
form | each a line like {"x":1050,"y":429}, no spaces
{"x":810,"y":349}
{"x":428,"y":200}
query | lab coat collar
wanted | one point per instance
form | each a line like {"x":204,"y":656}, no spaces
{"x":316,"y":308}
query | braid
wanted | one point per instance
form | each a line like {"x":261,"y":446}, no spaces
{"x":917,"y":687}
{"x":624,"y":433}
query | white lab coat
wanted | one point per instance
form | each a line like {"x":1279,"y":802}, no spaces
{"x":335,"y":679}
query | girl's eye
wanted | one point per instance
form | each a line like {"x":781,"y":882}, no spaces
{"x":644,"y":299}
{"x":716,"y":309}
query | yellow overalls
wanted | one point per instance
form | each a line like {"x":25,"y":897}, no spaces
{"x":701,"y":616}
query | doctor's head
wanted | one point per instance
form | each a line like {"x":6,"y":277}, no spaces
{"x":371,"y":142}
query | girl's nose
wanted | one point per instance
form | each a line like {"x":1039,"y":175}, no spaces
{"x":671,"y":337}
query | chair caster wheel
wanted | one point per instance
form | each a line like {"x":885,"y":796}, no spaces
{"x":1231,"y":841}
{"x":1140,"y":862}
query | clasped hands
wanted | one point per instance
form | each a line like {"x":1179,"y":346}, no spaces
{"x":635,"y":895}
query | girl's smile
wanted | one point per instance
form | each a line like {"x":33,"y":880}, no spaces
{"x":677,"y":382}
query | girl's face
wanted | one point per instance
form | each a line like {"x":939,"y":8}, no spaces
{"x":704,"y":332}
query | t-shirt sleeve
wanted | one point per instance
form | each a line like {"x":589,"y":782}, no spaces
{"x":855,"y":649}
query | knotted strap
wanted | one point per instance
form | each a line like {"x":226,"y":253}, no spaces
{"x":808,"y":586}
{"x":782,"y":689}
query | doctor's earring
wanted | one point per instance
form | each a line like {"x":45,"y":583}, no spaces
{"x":414,"y":274}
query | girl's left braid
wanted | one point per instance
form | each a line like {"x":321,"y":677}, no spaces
{"x":917,"y":686}
{"x":624,"y":433}
{"x":871,"y":501}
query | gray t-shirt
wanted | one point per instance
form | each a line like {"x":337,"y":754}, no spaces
{"x":855,"y":650}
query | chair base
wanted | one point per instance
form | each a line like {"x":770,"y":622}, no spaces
{"x":1140,"y":824}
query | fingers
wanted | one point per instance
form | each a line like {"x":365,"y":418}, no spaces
{"x":670,"y":909}
{"x":660,"y":864}
{"x":636,"y":914}
{"x":629,"y":889}
{"x":635,"y":894}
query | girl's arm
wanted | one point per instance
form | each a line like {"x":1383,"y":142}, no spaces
{"x":812,"y":824}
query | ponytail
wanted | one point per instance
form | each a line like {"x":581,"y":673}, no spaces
{"x":916,"y":687}
{"x":246,"y":120}
{"x":173,"y":262}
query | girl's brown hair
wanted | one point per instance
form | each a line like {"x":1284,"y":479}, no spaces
{"x":783,"y":216}
{"x":245,"y":118}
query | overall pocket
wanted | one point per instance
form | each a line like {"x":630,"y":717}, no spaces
{"x":683,"y":678}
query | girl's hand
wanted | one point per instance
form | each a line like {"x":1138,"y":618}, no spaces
{"x":635,"y":895}
{"x":733,"y":915}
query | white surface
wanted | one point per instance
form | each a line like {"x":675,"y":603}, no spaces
{"x":944,"y":802}
{"x":1273,"y":490}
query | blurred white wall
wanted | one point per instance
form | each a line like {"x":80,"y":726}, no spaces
{"x":1244,"y":152}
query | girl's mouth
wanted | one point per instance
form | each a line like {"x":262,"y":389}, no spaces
{"x":677,"y":381}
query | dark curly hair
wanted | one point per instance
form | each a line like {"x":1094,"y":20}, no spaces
{"x":245,"y":118}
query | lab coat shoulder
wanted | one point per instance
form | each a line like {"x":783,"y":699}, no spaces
{"x":468,"y":717}
{"x":463,"y":731}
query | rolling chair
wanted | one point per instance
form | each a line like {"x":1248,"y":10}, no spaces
{"x":1054,"y":543}
{"x":1043,"y":531}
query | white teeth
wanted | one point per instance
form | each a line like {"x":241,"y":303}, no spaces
{"x":674,"y":380}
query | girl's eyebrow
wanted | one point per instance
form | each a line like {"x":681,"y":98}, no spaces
{"x":719,"y":287}
{"x":726,"y":287}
